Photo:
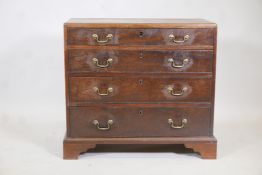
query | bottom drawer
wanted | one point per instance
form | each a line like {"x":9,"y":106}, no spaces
{"x":126,"y":121}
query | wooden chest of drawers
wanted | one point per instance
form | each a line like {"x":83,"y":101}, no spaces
{"x":134,"y":81}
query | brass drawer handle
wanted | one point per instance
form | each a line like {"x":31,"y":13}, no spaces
{"x":109,"y":90}
{"x":109,"y":123}
{"x":173,"y":38}
{"x":108,"y":38}
{"x":174,"y":65}
{"x":177,"y":93}
{"x":170,"y":121}
{"x":108,"y":62}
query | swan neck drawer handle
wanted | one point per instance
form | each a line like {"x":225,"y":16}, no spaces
{"x":174,"y":40}
{"x":177,"y":93}
{"x":97,"y":90}
{"x":109,"y":124}
{"x":171,"y":122}
{"x":174,"y":65}
{"x":107,"y":39}
{"x":108,"y":62}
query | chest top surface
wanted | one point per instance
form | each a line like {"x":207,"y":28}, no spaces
{"x":141,"y":22}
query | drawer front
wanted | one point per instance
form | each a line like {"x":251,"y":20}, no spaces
{"x":139,"y":89}
{"x":123,"y":61}
{"x":139,"y":121}
{"x":86,"y":36}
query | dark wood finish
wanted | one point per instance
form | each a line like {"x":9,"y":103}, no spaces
{"x":151,"y":105}
{"x":139,"y":89}
{"x":140,"y":74}
{"x":138,"y":121}
{"x":72,"y":150}
{"x":166,"y":75}
{"x":125,"y":61}
{"x":205,"y":146}
{"x":139,"y":23}
{"x":126,"y":37}
{"x":206,"y":150}
{"x":143,"y":47}
{"x":143,"y":140}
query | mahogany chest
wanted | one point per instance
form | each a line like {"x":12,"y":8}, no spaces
{"x":140,"y":81}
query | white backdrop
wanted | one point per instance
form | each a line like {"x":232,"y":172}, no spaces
{"x":32,"y":67}
{"x":31,"y":51}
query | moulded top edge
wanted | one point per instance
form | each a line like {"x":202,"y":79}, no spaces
{"x":139,"y":22}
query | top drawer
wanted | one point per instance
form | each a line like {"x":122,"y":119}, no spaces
{"x":127,"y":37}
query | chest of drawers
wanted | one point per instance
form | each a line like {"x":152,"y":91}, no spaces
{"x":140,"y":81}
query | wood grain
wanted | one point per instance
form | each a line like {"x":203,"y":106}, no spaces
{"x":139,"y":23}
{"x":205,"y":146}
{"x":126,"y":37}
{"x":140,"y":74}
{"x":139,"y":89}
{"x":125,"y":61}
{"x":138,"y":121}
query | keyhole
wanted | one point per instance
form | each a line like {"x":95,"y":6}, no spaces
{"x":141,"y":112}
{"x":140,"y":81}
{"x":141,"y":34}
{"x":141,"y":55}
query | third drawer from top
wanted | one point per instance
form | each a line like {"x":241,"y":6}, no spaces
{"x":139,"y":89}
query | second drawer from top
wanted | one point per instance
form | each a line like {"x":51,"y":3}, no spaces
{"x":124,"y":61}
